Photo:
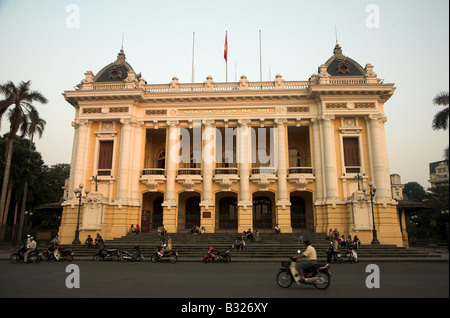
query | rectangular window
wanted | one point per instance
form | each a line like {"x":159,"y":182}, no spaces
{"x":105,"y":158}
{"x":351,"y":155}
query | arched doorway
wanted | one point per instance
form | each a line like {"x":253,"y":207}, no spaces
{"x":192,"y":216}
{"x":157,"y":216}
{"x":228,"y":213}
{"x":262,"y":212}
{"x":298,"y":213}
{"x":152,"y":211}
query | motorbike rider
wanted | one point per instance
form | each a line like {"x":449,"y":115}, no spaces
{"x":31,"y":247}
{"x":311,"y":259}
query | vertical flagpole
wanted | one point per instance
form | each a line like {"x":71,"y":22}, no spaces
{"x":193,"y":42}
{"x":260,"y":58}
{"x":226,"y":58}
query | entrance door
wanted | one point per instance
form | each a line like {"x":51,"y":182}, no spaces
{"x":146,"y":221}
{"x":157,"y":217}
{"x":192,"y":216}
{"x":298,"y":213}
{"x":228,"y":213}
{"x":262,"y":213}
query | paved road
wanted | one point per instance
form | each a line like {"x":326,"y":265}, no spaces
{"x":198,"y":280}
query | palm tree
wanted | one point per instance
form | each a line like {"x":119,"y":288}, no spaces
{"x":440,"y":120}
{"x":20,"y":111}
{"x":36,"y":126}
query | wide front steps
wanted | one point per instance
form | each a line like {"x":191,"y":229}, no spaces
{"x":271,"y":246}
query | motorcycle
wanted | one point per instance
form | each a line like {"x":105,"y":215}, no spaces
{"x":33,"y":256}
{"x":318,"y":275}
{"x":351,"y":254}
{"x":56,"y":253}
{"x":136,"y":255}
{"x":104,"y":255}
{"x":164,"y":256}
{"x":220,"y":256}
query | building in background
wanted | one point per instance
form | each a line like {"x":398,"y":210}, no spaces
{"x":231,"y":156}
{"x":439,"y":173}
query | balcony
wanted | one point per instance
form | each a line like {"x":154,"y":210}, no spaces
{"x":301,"y":177}
{"x":226,"y":168}
{"x":151,"y":177}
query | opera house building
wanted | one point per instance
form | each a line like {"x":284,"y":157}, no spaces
{"x":307,"y":155}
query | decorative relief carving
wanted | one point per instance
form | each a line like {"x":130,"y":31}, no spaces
{"x":118,"y":109}
{"x":301,"y":109}
{"x":156,"y":112}
{"x":336,"y":105}
{"x":364,"y":105}
{"x":92,"y":110}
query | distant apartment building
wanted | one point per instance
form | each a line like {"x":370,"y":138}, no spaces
{"x":439,"y":173}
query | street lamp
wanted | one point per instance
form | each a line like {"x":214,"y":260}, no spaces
{"x":372,"y":191}
{"x":79,"y":194}
{"x":28,"y":216}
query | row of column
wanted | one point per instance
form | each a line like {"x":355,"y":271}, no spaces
{"x":324,"y":154}
{"x":325,"y":165}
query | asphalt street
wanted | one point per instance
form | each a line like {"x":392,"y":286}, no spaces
{"x":215,"y":280}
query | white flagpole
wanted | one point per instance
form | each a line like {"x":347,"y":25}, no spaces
{"x":193,"y":42}
{"x":260,"y":58}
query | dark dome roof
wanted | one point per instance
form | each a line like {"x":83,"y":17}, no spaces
{"x":340,"y":65}
{"x":116,"y":71}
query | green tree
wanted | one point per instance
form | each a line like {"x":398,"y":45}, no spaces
{"x":440,"y":120}
{"x":17,"y":104}
{"x":413,"y":191}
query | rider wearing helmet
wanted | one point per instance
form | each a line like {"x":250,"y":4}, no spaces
{"x":311,"y":258}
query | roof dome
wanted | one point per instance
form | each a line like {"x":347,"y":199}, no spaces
{"x":340,"y":65}
{"x":116,"y":71}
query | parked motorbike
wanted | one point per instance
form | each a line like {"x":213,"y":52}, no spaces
{"x":319,"y":275}
{"x":220,"y":256}
{"x":105,"y":255}
{"x":56,"y":253}
{"x":351,"y":253}
{"x":33,"y":256}
{"x":164,"y":256}
{"x":136,"y":255}
{"x":333,"y":256}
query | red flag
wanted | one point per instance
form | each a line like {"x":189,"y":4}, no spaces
{"x":225,"y":50}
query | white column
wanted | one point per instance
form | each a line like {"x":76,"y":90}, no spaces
{"x":82,"y":130}
{"x":208,"y":154}
{"x":244,"y":148}
{"x":171,"y":164}
{"x":330,"y":159}
{"x":317,"y":151}
{"x":136,"y":160}
{"x":283,"y":199}
{"x":124,"y":162}
{"x":380,"y":165}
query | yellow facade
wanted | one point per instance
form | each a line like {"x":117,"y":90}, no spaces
{"x":323,"y":140}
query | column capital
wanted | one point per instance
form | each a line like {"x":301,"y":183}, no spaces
{"x":172,"y":123}
{"x":377,"y":117}
{"x":244,"y":122}
{"x":208,"y":122}
{"x":280,"y":121}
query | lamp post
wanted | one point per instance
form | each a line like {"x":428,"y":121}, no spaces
{"x":28,"y":215}
{"x":79,"y":195}
{"x":372,"y":191}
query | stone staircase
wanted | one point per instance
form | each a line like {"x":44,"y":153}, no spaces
{"x":272,"y":246}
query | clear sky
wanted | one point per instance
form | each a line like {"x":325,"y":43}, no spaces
{"x":54,"y":42}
